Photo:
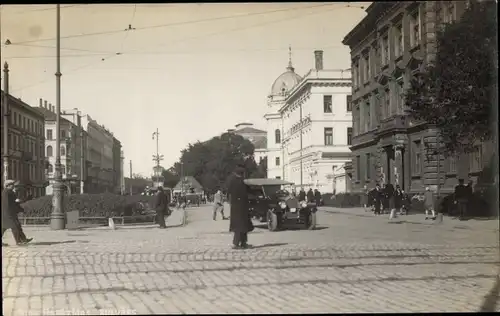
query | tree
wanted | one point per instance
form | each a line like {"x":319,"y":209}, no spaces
{"x":170,"y":178}
{"x":457,"y":91}
{"x":213,"y":161}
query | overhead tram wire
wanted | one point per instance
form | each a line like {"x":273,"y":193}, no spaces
{"x":176,"y":23}
{"x":217,"y":33}
{"x":130,"y":28}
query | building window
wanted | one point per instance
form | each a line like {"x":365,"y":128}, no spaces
{"x":25,"y":126}
{"x":49,"y":151}
{"x":50,"y":169}
{"x":357,"y":120}
{"x":49,"y":134}
{"x":449,"y":12}
{"x":387,"y":103}
{"x":368,"y":166}
{"x":63,"y":169}
{"x":63,"y":151}
{"x":277,"y":136}
{"x":13,"y":119}
{"x":367,"y":116}
{"x":349,"y":136}
{"x":328,"y":136}
{"x":452,"y":164}
{"x":358,"y":168}
{"x":279,"y":178}
{"x":349,"y":102}
{"x":277,"y":161}
{"x":417,"y":161}
{"x":63,"y":134}
{"x":400,"y":92}
{"x":366,"y":67}
{"x":384,"y":50}
{"x":476,"y":159}
{"x":327,"y":104}
{"x":398,"y":44}
{"x":415,"y":28}
{"x":355,"y":74}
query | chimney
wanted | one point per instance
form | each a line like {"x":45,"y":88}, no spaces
{"x":318,"y":58}
{"x":41,"y":103}
{"x":51,"y":107}
{"x":45,"y":104}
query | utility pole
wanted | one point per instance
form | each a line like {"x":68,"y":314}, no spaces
{"x":182,"y":177}
{"x":157,"y":158}
{"x":57,"y":218}
{"x":6,"y":116}
{"x":130,"y":168}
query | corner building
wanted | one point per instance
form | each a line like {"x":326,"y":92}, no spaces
{"x":390,"y":45}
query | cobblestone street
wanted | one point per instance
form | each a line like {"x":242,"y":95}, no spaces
{"x":353,"y":262}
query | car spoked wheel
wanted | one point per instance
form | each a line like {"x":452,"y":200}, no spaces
{"x":272,"y":221}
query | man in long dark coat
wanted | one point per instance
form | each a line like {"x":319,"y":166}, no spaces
{"x":317,"y":197}
{"x":302,"y":195}
{"x":240,"y":223}
{"x":10,"y":209}
{"x":310,"y":196}
{"x":161,"y":206}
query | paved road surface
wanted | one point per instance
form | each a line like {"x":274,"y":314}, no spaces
{"x":354,"y":262}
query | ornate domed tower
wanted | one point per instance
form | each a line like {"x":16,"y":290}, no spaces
{"x":275,"y":100}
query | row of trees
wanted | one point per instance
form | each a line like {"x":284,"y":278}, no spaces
{"x":458,"y":92}
{"x":211,"y":162}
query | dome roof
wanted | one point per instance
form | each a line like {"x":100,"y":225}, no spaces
{"x":285,"y":82}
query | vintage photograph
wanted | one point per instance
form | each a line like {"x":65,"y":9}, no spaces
{"x":249,"y":158}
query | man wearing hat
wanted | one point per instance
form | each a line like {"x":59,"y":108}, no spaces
{"x":10,"y":208}
{"x":240,"y":223}
{"x":161,"y":206}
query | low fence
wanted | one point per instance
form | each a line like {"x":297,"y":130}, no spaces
{"x":94,"y":221}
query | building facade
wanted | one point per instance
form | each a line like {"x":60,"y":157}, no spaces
{"x":256,"y":136}
{"x":26,"y":147}
{"x":393,"y":43}
{"x":117,"y":166}
{"x":309,"y":127}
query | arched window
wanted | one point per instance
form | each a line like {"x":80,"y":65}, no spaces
{"x":63,"y":151}
{"x":50,"y":169}
{"x":49,"y":151}
{"x":277,"y":136}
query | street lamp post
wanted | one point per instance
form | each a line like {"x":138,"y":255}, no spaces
{"x":157,"y":158}
{"x":57,"y":219}
{"x":6,"y":116}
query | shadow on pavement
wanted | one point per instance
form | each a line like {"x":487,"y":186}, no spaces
{"x":50,"y":243}
{"x":491,"y":299}
{"x":270,"y":245}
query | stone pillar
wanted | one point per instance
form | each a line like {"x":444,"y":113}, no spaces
{"x":398,"y":164}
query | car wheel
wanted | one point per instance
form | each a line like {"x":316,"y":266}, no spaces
{"x":311,"y":221}
{"x":272,"y":221}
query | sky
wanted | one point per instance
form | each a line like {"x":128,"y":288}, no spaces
{"x":191,"y":70}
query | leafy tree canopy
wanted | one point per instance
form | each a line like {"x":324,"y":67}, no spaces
{"x":213,"y":161}
{"x":170,"y":178}
{"x":457,"y":92}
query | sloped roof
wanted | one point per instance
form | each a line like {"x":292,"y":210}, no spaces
{"x":51,"y":116}
{"x":249,"y":130}
{"x":192,"y":182}
{"x":260,"y":142}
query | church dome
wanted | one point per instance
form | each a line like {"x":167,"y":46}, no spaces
{"x":285,"y":82}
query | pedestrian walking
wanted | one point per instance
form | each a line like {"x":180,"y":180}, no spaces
{"x":461,"y":198}
{"x":10,"y":209}
{"x":161,"y":207}
{"x":218,"y":205}
{"x":377,"y":196}
{"x":317,"y":197}
{"x":398,"y":202}
{"x":406,"y":203}
{"x":429,"y":203}
{"x":310,"y":196}
{"x":302,"y":195}
{"x":240,"y":223}
{"x":364,"y":198}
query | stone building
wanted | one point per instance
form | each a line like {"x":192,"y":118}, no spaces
{"x":391,"y":44}
{"x":26,"y":146}
{"x":309,"y":125}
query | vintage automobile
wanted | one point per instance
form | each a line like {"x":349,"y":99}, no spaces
{"x":270,"y":203}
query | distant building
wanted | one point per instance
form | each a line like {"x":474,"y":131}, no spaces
{"x":26,"y":147}
{"x":256,"y":136}
{"x":309,"y":127}
{"x":395,"y":41}
{"x":117,"y":165}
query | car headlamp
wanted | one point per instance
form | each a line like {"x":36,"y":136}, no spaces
{"x":303,"y":204}
{"x":282,"y":204}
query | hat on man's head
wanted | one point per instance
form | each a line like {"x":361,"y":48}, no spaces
{"x":9,"y":182}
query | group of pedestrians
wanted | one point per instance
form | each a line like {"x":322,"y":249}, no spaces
{"x":395,"y":201}
{"x":311,"y":196}
{"x":10,"y":209}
